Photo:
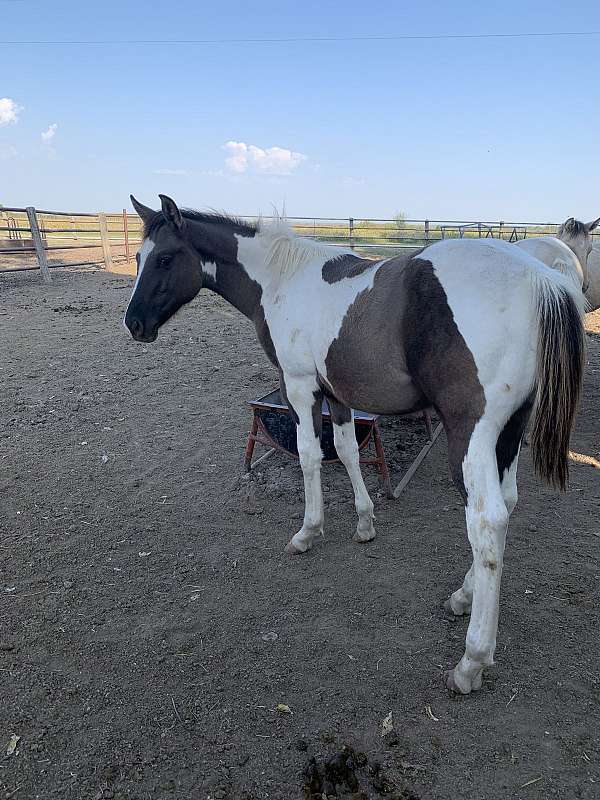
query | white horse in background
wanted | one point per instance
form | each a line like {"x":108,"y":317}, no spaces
{"x":592,"y":294}
{"x":571,"y":253}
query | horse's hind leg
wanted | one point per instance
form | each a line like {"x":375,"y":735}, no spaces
{"x":487,"y":521}
{"x":507,"y":457}
{"x":460,"y":601}
{"x":344,"y":437}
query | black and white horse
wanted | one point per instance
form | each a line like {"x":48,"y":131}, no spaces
{"x":480,"y":330}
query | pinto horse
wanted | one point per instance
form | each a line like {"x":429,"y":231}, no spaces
{"x":480,"y":330}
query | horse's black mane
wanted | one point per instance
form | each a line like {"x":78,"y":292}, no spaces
{"x":238,"y":225}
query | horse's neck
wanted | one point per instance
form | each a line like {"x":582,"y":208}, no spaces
{"x":234,"y":281}
{"x":555,"y":254}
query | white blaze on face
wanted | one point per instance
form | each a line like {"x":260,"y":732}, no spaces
{"x":144,"y":251}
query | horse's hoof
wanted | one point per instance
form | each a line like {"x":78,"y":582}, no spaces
{"x":477,"y":681}
{"x":456,"y":685}
{"x":292,"y":550}
{"x":457,"y":608}
{"x":460,"y":684}
{"x":447,"y":606}
{"x":364,"y":537}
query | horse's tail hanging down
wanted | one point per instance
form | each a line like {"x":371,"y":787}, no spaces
{"x":559,"y":373}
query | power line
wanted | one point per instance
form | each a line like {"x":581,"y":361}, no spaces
{"x":301,"y":39}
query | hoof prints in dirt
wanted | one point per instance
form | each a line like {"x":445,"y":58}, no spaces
{"x":349,"y":775}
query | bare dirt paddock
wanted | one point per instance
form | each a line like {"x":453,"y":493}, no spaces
{"x":151,"y":624}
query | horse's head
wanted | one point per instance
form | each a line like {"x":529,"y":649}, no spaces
{"x":169,"y":270}
{"x":577,"y":236}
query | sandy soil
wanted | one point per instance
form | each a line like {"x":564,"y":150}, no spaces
{"x":151,"y":624}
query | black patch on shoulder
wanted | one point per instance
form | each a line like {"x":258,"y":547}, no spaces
{"x":510,"y":437}
{"x":345,"y":266}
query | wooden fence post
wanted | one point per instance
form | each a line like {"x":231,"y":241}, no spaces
{"x":108,"y":263}
{"x":126,"y":234}
{"x":351,"y":232}
{"x":38,"y":243}
{"x":426,"y":231}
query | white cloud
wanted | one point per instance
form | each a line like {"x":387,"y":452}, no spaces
{"x":269,"y":161}
{"x":9,"y":111}
{"x":238,"y":160}
{"x":171,"y":172}
{"x":8,"y":151}
{"x":48,"y":136}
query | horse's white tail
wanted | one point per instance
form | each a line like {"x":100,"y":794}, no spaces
{"x":559,"y":374}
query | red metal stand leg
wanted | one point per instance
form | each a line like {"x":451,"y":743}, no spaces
{"x":250,"y":444}
{"x":382,"y":467}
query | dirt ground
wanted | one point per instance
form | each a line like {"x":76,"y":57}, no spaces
{"x":151,"y":625}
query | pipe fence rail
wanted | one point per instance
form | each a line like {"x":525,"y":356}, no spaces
{"x":33,"y":239}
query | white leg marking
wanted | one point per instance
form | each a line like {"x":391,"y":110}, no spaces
{"x":301,"y":398}
{"x":347,"y":449}
{"x":487,"y":521}
{"x":460,"y":601}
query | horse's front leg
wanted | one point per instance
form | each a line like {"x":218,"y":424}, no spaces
{"x":304,"y":399}
{"x":346,"y":446}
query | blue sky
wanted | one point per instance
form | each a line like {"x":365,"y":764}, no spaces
{"x":445,"y":129}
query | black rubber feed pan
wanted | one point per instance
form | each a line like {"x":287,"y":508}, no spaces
{"x":278,"y":424}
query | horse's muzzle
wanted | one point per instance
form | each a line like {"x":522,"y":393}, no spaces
{"x":139,"y":331}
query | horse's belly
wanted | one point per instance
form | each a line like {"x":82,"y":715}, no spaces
{"x":375,"y":387}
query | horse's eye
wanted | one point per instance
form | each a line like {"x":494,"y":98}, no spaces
{"x":165,"y":261}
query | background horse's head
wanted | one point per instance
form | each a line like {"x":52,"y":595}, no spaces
{"x":169,"y":270}
{"x":577,"y":236}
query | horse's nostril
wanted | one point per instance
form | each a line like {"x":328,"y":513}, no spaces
{"x":136,"y":327}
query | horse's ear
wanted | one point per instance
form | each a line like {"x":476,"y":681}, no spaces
{"x":171,"y":212}
{"x":591,"y":225}
{"x":143,"y":212}
{"x":567,"y":227}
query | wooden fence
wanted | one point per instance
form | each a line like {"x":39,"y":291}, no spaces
{"x":35,"y":239}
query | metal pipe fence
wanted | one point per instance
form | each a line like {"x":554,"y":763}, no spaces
{"x":33,"y":238}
